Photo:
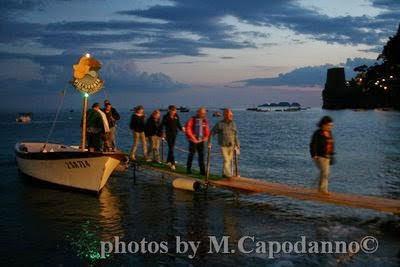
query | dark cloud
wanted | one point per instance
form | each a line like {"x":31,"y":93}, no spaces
{"x":203,"y":18}
{"x":150,"y":39}
{"x":12,"y":31}
{"x":179,"y":62}
{"x":188,"y":62}
{"x":306,"y":76}
{"x":188,"y":26}
{"x":386,"y":4}
{"x":11,"y":6}
{"x":102,"y":25}
{"x":123,"y":75}
{"x":375,"y":49}
{"x":41,"y":74}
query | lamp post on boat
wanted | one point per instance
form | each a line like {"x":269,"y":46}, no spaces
{"x":87,"y":81}
{"x":84,"y":109}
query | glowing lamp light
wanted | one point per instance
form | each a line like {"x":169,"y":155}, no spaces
{"x":86,"y":95}
{"x":383,"y":80}
{"x":87,"y":55}
{"x":391,"y":77}
{"x":385,"y":88}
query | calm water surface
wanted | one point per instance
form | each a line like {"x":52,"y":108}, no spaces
{"x":46,"y":225}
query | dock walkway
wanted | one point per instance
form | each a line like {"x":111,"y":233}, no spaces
{"x":302,"y":193}
{"x":258,"y":186}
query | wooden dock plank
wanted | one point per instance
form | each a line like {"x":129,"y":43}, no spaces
{"x":297,"y":192}
{"x":258,"y":186}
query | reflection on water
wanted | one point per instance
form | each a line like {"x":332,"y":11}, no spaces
{"x":53,"y":226}
{"x":85,"y":242}
{"x":110,"y":215}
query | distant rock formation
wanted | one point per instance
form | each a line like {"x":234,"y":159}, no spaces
{"x":377,"y":86}
{"x":337,"y":93}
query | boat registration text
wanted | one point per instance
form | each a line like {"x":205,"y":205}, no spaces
{"x":77,"y":164}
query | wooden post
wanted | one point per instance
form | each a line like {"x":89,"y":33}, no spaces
{"x":236,"y":162}
{"x":134,"y":172}
{"x":208,"y":160}
{"x":84,"y":111}
{"x":162,"y":149}
{"x":232,"y":165}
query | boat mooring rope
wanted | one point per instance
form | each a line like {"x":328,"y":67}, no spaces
{"x":106,"y":94}
{"x":235,"y":167}
{"x":55,"y":117}
{"x":128,"y":133}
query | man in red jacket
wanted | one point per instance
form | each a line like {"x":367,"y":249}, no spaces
{"x":197,"y":132}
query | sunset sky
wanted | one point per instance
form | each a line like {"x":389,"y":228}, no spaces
{"x":187,"y":52}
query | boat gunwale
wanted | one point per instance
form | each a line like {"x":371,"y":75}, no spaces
{"x":58,"y":155}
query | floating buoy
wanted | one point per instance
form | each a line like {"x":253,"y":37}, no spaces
{"x":186,"y":184}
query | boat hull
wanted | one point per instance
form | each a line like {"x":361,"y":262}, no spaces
{"x":76,"y":169}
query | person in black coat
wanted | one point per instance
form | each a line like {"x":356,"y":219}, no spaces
{"x":137,"y":125}
{"x":171,"y":125}
{"x":153,"y":131}
{"x":322,"y":151}
{"x":114,"y":112}
{"x":112,"y":118}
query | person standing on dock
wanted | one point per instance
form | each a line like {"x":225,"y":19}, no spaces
{"x":171,"y":125}
{"x":112,"y":117}
{"x":137,"y":125}
{"x":227,"y":133}
{"x":322,"y":151}
{"x":153,"y":131}
{"x":197,"y":133}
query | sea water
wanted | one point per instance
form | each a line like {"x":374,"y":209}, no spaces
{"x":42,"y":224}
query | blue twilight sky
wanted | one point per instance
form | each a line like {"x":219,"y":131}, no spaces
{"x":187,"y":52}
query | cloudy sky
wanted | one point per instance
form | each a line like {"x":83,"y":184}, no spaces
{"x":187,"y":52}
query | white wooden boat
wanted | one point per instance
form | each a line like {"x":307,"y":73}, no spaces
{"x":66,"y":165}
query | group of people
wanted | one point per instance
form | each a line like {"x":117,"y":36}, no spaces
{"x":152,"y":131}
{"x":101,"y":127}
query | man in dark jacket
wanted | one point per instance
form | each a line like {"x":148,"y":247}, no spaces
{"x":112,"y":118}
{"x":113,"y":110}
{"x":137,"y":125}
{"x":171,"y":125}
{"x":322,"y":151}
{"x":153,"y":131}
{"x":94,"y":128}
{"x":197,"y":133}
